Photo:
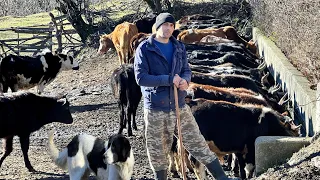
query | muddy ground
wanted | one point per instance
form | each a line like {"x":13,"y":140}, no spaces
{"x":95,"y":112}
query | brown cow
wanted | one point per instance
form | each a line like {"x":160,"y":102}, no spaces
{"x":232,"y":34}
{"x":120,"y":39}
{"x":136,"y":40}
{"x":228,"y":32}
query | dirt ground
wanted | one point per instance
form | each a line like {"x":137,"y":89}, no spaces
{"x":95,"y":112}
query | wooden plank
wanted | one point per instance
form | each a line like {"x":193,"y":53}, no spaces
{"x":30,"y":50}
{"x":9,"y":47}
{"x":26,"y":39}
{"x":26,"y":27}
{"x":69,"y":31}
{"x":57,"y":18}
{"x":33,"y":47}
{"x":33,"y":30}
{"x":39,"y":42}
{"x":75,"y":44}
{"x":7,"y":29}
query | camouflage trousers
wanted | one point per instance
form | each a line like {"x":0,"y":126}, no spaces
{"x":159,"y":131}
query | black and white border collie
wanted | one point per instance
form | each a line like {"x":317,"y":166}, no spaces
{"x":86,"y":153}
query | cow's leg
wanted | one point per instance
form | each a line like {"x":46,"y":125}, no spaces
{"x":123,"y":55}
{"x":5,"y":88}
{"x":234,"y":164}
{"x":241,"y":165}
{"x":14,"y":87}
{"x":127,"y":55}
{"x":120,"y":56}
{"x":229,"y":162}
{"x":24,"y":142}
{"x":1,"y":88}
{"x":4,"y":85}
{"x":134,"y":123}
{"x":7,"y":148}
{"x":125,"y":118}
{"x":121,"y":118}
{"x":128,"y":114}
{"x":250,"y":160}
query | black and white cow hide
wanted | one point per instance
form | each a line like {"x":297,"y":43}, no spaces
{"x":25,"y":72}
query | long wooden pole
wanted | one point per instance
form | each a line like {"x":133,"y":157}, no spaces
{"x":181,"y":149}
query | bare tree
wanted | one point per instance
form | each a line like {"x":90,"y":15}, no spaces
{"x":158,"y":6}
{"x":74,"y":9}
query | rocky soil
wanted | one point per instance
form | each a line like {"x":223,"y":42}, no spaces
{"x":95,"y":112}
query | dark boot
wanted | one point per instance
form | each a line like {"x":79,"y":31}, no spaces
{"x":217,"y":172}
{"x":161,"y":175}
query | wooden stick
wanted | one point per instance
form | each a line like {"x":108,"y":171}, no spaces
{"x":181,"y":149}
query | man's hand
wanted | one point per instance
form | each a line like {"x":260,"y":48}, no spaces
{"x":183,"y":85}
{"x":176,"y":80}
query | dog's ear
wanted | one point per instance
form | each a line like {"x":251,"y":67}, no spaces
{"x":126,"y":149}
{"x":124,"y":154}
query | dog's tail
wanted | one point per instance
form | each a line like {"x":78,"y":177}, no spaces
{"x":59,"y":158}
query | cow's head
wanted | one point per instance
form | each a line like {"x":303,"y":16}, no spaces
{"x":291,"y":128}
{"x":68,"y":62}
{"x":105,"y":43}
{"x":59,"y":111}
{"x":252,"y":46}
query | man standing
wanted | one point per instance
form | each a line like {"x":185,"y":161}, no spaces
{"x":160,"y":63}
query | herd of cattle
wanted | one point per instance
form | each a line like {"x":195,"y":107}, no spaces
{"x":231,"y":95}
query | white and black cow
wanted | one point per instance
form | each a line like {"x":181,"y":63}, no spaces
{"x":24,"y":72}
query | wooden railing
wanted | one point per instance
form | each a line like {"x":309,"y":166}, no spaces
{"x":33,"y":39}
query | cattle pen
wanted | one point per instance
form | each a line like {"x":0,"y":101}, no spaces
{"x":31,"y":40}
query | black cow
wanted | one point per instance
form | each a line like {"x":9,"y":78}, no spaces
{"x":223,"y":57}
{"x":227,"y":58}
{"x":254,"y":73}
{"x":222,"y":47}
{"x":233,"y":95}
{"x":245,"y":122}
{"x":24,"y":72}
{"x":228,"y":80}
{"x":23,"y":113}
{"x":129,"y":94}
{"x":145,"y":24}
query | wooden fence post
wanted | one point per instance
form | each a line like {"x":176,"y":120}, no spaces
{"x":58,"y":32}
{"x":18,"y":44}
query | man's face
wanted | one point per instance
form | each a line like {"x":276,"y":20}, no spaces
{"x":165,"y":30}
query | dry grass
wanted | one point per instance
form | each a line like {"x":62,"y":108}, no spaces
{"x":294,"y":26}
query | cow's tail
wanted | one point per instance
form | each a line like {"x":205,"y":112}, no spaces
{"x":59,"y":158}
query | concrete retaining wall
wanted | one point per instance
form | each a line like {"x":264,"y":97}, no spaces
{"x":292,"y":80}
